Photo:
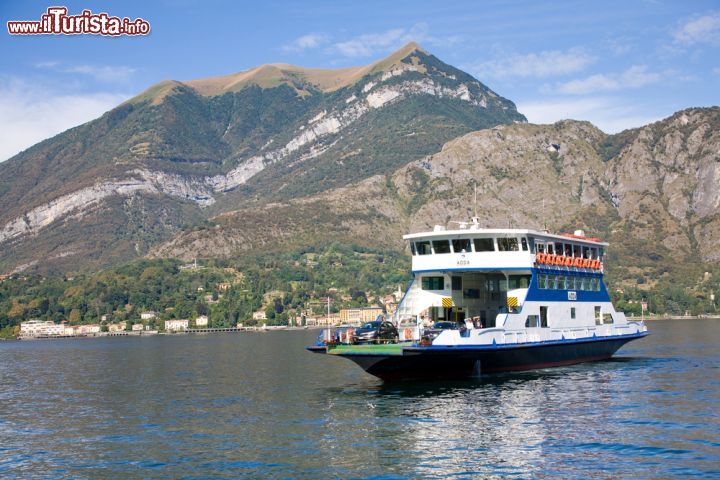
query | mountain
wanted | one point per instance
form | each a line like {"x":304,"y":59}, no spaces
{"x":182,"y":152}
{"x":653,"y":192}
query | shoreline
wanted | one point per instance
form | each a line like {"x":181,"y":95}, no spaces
{"x":196,"y":331}
{"x":676,"y":317}
{"x":154,"y":333}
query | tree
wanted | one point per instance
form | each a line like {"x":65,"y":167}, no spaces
{"x":75,"y":316}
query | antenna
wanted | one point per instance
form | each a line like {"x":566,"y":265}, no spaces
{"x":543,"y":216}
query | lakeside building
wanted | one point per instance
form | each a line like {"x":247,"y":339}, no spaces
{"x":357,"y":316}
{"x":259,"y":315}
{"x":201,"y":321}
{"x":40,"y":328}
{"x":117,"y":327}
{"x":149,"y":315}
{"x":87,"y":329}
{"x":137,"y":327}
{"x":176,"y":325}
{"x":324,"y":320}
{"x":35,"y":327}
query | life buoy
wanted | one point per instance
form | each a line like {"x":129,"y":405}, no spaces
{"x":586,"y":263}
{"x":350,"y":332}
{"x":568,"y":261}
{"x":577,"y":262}
{"x":556,"y":260}
{"x":540,"y":258}
{"x":408,"y":333}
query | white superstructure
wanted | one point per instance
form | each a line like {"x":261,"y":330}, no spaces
{"x":510,"y":286}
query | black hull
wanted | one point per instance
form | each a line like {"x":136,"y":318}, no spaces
{"x":464,"y":362}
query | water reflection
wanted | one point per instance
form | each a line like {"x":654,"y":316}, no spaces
{"x":261,"y":407}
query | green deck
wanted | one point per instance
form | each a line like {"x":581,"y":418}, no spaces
{"x":367,"y":349}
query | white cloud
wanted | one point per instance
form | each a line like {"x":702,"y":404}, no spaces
{"x":634,"y":77}
{"x":369,"y":44}
{"x":705,"y":29}
{"x":29,"y":114}
{"x":549,"y":63}
{"x":311,"y":40}
{"x":103,"y":73}
{"x":611,"y":115}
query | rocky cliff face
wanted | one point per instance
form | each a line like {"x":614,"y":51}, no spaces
{"x":653,"y":192}
{"x":207,"y":146}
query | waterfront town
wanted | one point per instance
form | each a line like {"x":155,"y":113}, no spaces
{"x":34,"y":329}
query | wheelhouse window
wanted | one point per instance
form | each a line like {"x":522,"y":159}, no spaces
{"x":423,"y":248}
{"x":572,"y":312}
{"x":540,"y":247}
{"x":597,"y":315}
{"x":508,"y":244}
{"x":412,"y":248}
{"x":568,"y":250}
{"x":433,"y":283}
{"x":484,"y":244}
{"x":457,"y":283}
{"x":531,"y":243}
{"x":461,"y":245}
{"x":576,"y":251}
{"x":550,"y":249}
{"x":593,"y":253}
{"x":586,"y":252}
{"x":523,"y":244}
{"x":441,"y":246}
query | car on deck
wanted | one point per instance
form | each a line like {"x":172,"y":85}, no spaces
{"x":375,"y":332}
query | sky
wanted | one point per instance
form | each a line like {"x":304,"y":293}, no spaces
{"x":618,"y":64}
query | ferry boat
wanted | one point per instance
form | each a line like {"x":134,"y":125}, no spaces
{"x":521,"y":300}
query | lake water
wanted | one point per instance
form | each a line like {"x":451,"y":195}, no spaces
{"x":256,"y":405}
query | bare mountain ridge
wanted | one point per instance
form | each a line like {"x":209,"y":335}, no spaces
{"x":653,"y":192}
{"x":184,"y":151}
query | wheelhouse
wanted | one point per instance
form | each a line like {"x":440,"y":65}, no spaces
{"x":487,"y":274}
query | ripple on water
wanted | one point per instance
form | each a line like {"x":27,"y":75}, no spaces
{"x":259,"y":406}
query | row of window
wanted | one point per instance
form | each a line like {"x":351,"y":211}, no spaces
{"x":468,"y":245}
{"x":568,"y":282}
{"x":511,"y":244}
{"x":568,"y":249}
{"x":491,"y":284}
